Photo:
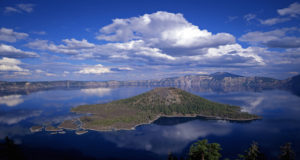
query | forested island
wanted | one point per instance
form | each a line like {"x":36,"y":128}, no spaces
{"x":149,"y":106}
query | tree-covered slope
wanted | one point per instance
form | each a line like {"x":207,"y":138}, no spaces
{"x":146,"y":107}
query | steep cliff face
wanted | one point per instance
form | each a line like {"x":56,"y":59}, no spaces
{"x":293,"y":84}
{"x":220,"y":81}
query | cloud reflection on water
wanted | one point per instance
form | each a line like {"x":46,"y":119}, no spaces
{"x":16,"y":116}
{"x":265,"y":102}
{"x":97,"y":91}
{"x":165,"y":139}
{"x":253,"y":103}
{"x":11,"y":100}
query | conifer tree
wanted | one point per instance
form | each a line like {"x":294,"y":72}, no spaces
{"x":286,"y":152}
{"x":252,"y":153}
{"x":202,"y":150}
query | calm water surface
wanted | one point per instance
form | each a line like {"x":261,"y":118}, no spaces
{"x":280,"y":124}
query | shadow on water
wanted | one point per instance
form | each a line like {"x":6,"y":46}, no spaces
{"x":11,"y":151}
{"x":169,"y":121}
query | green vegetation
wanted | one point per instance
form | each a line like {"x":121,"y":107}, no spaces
{"x":69,"y":124}
{"x":146,"y":107}
{"x":252,"y":153}
{"x":202,"y":150}
{"x":52,"y":129}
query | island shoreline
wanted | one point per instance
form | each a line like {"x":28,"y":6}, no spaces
{"x":146,"y":108}
{"x":171,"y":116}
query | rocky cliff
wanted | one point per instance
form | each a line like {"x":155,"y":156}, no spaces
{"x":220,"y":81}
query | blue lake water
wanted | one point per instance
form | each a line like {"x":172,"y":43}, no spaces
{"x":280,"y":124}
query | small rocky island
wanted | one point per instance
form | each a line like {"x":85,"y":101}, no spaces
{"x":149,"y":106}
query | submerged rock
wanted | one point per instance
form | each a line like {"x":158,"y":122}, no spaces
{"x":34,"y":129}
{"x":81,"y":132}
{"x":62,"y":132}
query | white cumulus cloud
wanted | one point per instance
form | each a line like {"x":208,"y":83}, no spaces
{"x":97,"y":69}
{"x":73,"y":43}
{"x":10,"y":64}
{"x":273,"y":39}
{"x":229,"y":55}
{"x":11,"y":51}
{"x":163,"y":30}
{"x":71,"y":46}
{"x":160,"y":38}
{"x":273,"y":21}
{"x":293,"y":10}
{"x":134,"y":49}
{"x":9,"y":35}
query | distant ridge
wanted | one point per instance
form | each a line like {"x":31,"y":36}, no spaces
{"x":222,"y":75}
{"x":219,"y":81}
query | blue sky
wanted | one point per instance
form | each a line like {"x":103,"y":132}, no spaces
{"x":143,"y":39}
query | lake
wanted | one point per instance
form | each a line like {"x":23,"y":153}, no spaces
{"x":280,"y":124}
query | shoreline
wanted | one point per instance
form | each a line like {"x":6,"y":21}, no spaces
{"x":170,"y":116}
